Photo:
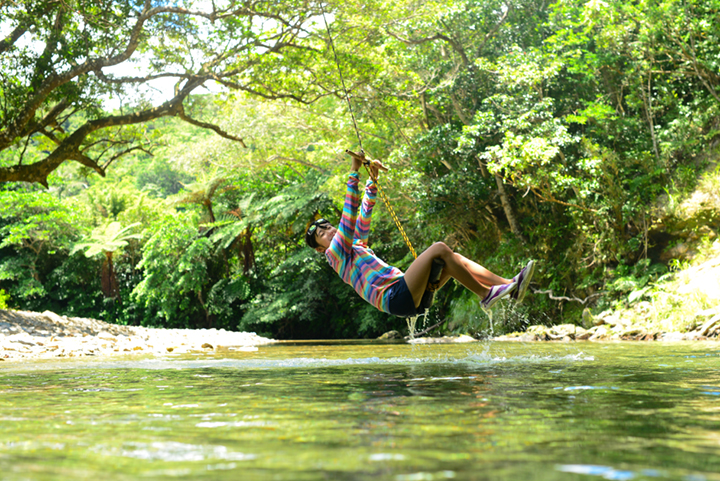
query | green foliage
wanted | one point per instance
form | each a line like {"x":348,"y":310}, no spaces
{"x":60,"y":69}
{"x":108,"y":238}
{"x":633,"y":280}
{"x":175,"y":262}
{"x":574,"y":133}
{"x":4,"y":298}
{"x":160,"y":179}
{"x":36,"y":230}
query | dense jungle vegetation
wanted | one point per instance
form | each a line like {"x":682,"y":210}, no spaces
{"x":514,"y":130}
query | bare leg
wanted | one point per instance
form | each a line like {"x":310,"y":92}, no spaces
{"x":418,"y":273}
{"x":481,"y":274}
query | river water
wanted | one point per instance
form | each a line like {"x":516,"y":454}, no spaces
{"x":370,"y":411}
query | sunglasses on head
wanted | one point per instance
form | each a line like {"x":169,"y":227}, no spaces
{"x":315,"y":225}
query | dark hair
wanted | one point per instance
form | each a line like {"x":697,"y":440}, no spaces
{"x":310,"y":239}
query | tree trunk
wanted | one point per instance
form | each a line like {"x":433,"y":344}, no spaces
{"x":509,"y":212}
{"x":247,"y":251}
{"x":108,"y":280}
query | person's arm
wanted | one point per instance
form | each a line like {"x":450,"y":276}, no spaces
{"x":362,"y":227}
{"x":341,"y":245}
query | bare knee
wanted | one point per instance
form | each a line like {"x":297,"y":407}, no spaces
{"x":440,"y":249}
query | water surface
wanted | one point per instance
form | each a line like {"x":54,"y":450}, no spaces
{"x":362,"y":411}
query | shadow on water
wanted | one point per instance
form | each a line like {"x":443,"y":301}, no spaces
{"x":369,"y":410}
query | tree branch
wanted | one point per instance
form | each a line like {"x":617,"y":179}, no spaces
{"x":438,"y":36}
{"x":68,"y":149}
{"x":425,"y":331}
{"x":50,"y":74}
{"x":182,"y":115}
{"x":569,"y":299}
{"x":125,"y":152}
{"x":268,"y":96}
{"x":9,"y":41}
{"x":293,"y":159}
{"x":566,"y":204}
{"x":494,"y":30}
{"x":86,"y":161}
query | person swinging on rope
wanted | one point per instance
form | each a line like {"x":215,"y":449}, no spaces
{"x":387,"y":287}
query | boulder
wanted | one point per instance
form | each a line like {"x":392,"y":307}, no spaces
{"x":391,"y":335}
{"x":563,"y":330}
{"x":538,"y":333}
{"x":632,"y":332}
{"x":585,"y":334}
{"x":600,"y":334}
{"x":599,"y":320}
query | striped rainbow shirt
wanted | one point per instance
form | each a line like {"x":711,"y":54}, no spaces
{"x":349,"y":254}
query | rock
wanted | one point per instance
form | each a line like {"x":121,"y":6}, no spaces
{"x":106,"y":336}
{"x":537,"y":330}
{"x":672,"y":336}
{"x":631,"y":332}
{"x":528,"y":338}
{"x":601,"y":333}
{"x":588,"y":320}
{"x":538,"y":333}
{"x":207,"y":345}
{"x":391,"y":335}
{"x":54,"y":317}
{"x":517,"y":337}
{"x":599,"y":320}
{"x":563,"y":330}
{"x":583,"y":334}
{"x":35,"y":335}
{"x":680,"y":251}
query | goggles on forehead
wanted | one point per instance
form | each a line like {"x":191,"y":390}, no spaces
{"x":311,"y":230}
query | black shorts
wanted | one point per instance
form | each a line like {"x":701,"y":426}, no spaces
{"x":401,"y":302}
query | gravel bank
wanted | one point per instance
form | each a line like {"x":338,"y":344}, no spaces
{"x":31,"y":335}
{"x":611,"y":327}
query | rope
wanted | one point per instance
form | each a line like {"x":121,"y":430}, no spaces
{"x":366,"y":162}
{"x":342,"y":80}
{"x":391,"y":210}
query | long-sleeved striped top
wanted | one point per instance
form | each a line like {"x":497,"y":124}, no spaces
{"x":349,"y":254}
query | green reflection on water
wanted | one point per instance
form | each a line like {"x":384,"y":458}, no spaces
{"x":370,"y":411}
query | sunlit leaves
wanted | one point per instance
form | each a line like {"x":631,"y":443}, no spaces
{"x":107,"y":238}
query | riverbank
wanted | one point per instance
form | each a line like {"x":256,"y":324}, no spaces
{"x":681,"y":306}
{"x":613,"y":328}
{"x":32,"y":335}
{"x":684,"y":306}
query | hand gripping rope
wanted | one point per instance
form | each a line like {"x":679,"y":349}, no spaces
{"x":391,"y":211}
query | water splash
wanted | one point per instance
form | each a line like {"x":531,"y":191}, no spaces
{"x":489,"y":314}
{"x":411,"y":321}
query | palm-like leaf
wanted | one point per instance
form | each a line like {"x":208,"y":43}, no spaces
{"x":107,"y":238}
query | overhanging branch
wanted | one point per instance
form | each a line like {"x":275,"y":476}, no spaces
{"x":182,"y":115}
